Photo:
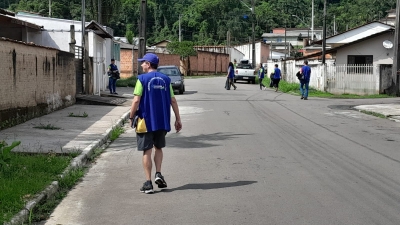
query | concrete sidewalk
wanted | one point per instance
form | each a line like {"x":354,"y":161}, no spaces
{"x":83,"y":134}
{"x":390,"y":111}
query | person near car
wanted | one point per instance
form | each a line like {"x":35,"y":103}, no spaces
{"x":276,"y":77}
{"x":261,"y":75}
{"x":153,"y":98}
{"x":113,"y":75}
{"x":234,"y":64}
{"x":304,"y":83}
{"x":230,"y":76}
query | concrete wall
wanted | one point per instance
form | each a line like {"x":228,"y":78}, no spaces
{"x":126,"y":63}
{"x":34,"y":81}
{"x":209,"y":62}
{"x":203,"y":63}
{"x":372,"y":47}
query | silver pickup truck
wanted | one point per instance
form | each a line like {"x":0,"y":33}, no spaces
{"x":245,"y":71}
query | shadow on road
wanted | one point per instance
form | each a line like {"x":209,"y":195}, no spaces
{"x":200,"y":141}
{"x":207,"y":186}
{"x":189,"y":92}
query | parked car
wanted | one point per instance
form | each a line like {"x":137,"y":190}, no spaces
{"x":177,"y":80}
{"x":245,"y":71}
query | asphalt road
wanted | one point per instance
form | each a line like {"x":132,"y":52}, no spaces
{"x":248,"y":156}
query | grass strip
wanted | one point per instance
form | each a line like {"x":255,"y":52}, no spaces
{"x":294,"y":89}
{"x":26,"y":175}
{"x":374,"y":114}
{"x":43,"y":211}
{"x":127,"y":82}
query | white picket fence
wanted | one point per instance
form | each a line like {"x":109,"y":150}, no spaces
{"x":335,"y":79}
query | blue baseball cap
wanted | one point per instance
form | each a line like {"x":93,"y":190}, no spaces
{"x":150,"y":57}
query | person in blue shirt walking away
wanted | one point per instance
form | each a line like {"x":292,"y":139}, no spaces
{"x":150,"y":114}
{"x":261,"y":75}
{"x":230,"y":76}
{"x":276,"y":77}
{"x":113,"y":75}
{"x":306,"y":72}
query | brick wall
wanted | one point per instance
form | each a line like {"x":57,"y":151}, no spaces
{"x":34,"y":81}
{"x":203,"y":63}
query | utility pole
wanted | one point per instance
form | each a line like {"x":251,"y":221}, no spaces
{"x":253,"y":34}
{"x":285,"y":40}
{"x":84,"y":56}
{"x":180,"y":28}
{"x":312,"y":21}
{"x":142,"y":32}
{"x":324,"y":35}
{"x":395,"y":87}
{"x":99,"y":11}
{"x":49,"y":8}
{"x":334,"y":24}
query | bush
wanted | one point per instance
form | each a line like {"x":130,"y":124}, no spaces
{"x":127,"y":82}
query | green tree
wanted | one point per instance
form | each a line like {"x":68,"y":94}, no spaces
{"x":184,"y":49}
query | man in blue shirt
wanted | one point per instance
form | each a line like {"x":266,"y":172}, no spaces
{"x":153,"y":98}
{"x":276,"y":77}
{"x":306,"y":72}
{"x":113,"y":75}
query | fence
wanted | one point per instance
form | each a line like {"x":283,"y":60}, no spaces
{"x":333,"y":78}
{"x":352,"y":79}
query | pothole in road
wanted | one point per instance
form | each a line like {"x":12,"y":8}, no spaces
{"x":342,"y":107}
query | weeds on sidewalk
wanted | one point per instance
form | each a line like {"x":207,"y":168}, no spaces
{"x":116,"y":132}
{"x":23,"y":175}
{"x":66,"y":183}
{"x":78,"y":115}
{"x":47,"y":127}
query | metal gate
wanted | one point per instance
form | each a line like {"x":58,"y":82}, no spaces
{"x":79,"y":69}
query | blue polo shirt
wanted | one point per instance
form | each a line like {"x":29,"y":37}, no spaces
{"x":306,"y":71}
{"x":277,"y":73}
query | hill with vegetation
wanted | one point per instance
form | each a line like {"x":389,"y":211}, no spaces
{"x":206,"y":22}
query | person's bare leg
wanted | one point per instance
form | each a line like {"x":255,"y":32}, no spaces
{"x":147,"y":164}
{"x":158,"y":157}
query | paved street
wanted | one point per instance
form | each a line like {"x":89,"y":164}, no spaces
{"x":248,"y":156}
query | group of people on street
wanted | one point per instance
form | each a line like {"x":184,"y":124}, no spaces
{"x":275,"y":77}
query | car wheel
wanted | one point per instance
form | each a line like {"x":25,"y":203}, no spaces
{"x":181,"y":91}
{"x":248,"y":82}
{"x":234,"y":81}
{"x":184,"y":88}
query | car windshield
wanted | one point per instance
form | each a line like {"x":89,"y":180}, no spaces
{"x":169,"y":71}
{"x":244,"y":66}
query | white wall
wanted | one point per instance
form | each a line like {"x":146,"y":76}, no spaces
{"x":247,"y":51}
{"x":234,"y":53}
{"x":58,"y":29}
{"x":98,"y":51}
{"x":57,"y":35}
{"x":372,"y":47}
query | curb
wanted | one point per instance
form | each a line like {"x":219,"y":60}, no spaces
{"x":77,"y":162}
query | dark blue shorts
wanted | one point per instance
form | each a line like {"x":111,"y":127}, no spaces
{"x":146,"y":141}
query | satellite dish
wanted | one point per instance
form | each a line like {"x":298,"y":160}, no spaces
{"x":387,"y":44}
